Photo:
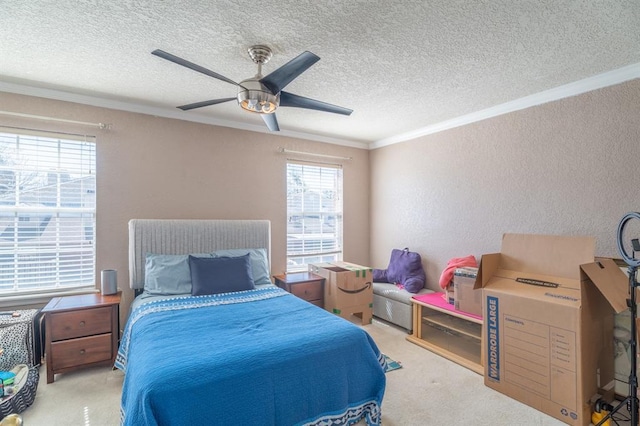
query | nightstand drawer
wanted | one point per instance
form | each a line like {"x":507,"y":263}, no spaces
{"x":304,"y":285}
{"x":81,"y":351}
{"x":87,"y":322}
{"x":319,"y":303}
{"x":308,"y":291}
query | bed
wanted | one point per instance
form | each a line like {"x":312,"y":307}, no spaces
{"x":249,"y":356}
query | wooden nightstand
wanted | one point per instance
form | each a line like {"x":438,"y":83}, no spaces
{"x":81,"y":331}
{"x":305,"y":285}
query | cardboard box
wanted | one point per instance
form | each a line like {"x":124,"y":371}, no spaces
{"x":466,"y":298}
{"x":450,"y":296}
{"x":548,"y":322}
{"x":348,"y":289}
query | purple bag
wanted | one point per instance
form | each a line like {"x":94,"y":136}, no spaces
{"x":405,"y":267}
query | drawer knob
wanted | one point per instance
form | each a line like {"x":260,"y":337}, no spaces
{"x":81,"y":323}
{"x":81,"y":351}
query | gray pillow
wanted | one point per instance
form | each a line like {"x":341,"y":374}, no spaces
{"x":168,"y":273}
{"x":259,"y":262}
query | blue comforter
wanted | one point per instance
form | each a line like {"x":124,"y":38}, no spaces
{"x":257,"y":357}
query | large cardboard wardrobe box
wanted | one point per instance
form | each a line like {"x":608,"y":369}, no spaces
{"x":348,"y":288}
{"x":548,"y":322}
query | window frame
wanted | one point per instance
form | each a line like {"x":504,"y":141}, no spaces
{"x":320,"y":225}
{"x":68,"y":235}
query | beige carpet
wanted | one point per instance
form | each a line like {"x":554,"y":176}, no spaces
{"x":428,"y":390}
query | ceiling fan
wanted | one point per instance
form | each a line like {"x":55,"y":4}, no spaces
{"x":263,"y":95}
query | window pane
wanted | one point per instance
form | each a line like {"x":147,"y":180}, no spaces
{"x":47,"y":213}
{"x":314,"y":215}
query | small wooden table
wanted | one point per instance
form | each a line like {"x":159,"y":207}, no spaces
{"x":453,"y":334}
{"x":81,"y":331}
{"x":305,"y":285}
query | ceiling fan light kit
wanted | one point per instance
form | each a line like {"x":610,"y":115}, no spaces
{"x":263,"y":95}
{"x":254,"y":96}
{"x":258,"y":101}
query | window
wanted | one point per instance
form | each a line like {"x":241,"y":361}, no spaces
{"x":47,"y":213}
{"x":314,"y":214}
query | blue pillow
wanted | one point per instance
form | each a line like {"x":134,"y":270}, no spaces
{"x":259,"y":262}
{"x":220,"y":274}
{"x":168,"y":273}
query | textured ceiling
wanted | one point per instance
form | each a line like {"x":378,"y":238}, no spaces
{"x":400,"y":65}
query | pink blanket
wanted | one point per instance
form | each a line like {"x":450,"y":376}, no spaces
{"x":456,"y":262}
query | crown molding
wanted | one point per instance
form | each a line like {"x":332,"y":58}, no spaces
{"x":165,"y":113}
{"x":599,"y":81}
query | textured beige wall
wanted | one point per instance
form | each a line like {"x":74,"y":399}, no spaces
{"x":570,"y":167}
{"x":150,"y":167}
{"x":567,"y":167}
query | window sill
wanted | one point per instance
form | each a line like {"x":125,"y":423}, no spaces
{"x":20,"y":301}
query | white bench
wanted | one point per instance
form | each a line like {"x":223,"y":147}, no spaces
{"x":393,"y":304}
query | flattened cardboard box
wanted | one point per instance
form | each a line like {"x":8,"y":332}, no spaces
{"x":548,"y":322}
{"x":348,"y":287}
{"x":466,"y":298}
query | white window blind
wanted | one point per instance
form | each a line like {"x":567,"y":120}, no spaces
{"x":47,"y":213}
{"x":314,"y":214}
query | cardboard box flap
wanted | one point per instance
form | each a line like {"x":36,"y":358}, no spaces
{"x":336,"y":269}
{"x":488,"y":266}
{"x":345,"y":267}
{"x":610,"y":281}
{"x":552,"y":255}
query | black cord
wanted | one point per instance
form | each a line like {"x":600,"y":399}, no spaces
{"x":620,"y":417}
{"x":615,"y":417}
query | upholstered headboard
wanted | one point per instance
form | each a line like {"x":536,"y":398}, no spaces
{"x":168,"y":236}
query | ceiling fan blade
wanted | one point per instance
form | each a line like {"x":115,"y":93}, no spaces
{"x":205,"y":103}
{"x":278,"y":79}
{"x":271,"y":122}
{"x":290,"y":100}
{"x":169,"y":57}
